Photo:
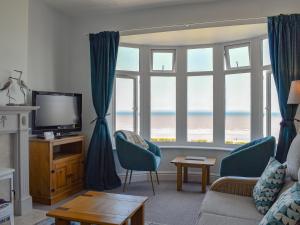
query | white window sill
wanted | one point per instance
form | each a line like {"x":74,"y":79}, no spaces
{"x":181,"y":147}
{"x":210,"y":148}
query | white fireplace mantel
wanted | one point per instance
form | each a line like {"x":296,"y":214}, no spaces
{"x":14,"y":120}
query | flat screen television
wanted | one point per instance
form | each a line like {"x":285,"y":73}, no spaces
{"x":58,"y":112}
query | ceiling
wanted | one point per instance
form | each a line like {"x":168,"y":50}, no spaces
{"x":198,"y":36}
{"x":82,"y":7}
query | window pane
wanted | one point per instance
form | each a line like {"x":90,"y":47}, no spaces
{"x":128,"y":59}
{"x":266,"y":53}
{"x":239,"y":57}
{"x":238,"y":112}
{"x":275,"y":111}
{"x":124,"y":104}
{"x":162,"y":61}
{"x":200,"y":59}
{"x":200,"y":109}
{"x":163,"y":109}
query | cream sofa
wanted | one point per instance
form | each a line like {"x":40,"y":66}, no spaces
{"x":229,"y":200}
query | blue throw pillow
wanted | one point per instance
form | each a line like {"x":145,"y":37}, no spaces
{"x":286,"y":210}
{"x":269,"y":185}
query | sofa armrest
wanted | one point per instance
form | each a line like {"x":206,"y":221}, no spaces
{"x":235,"y":185}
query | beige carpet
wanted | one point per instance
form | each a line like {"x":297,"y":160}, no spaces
{"x":31,"y":218}
{"x":167,"y":207}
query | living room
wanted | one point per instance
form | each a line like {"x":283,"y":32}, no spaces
{"x":196,"y":78}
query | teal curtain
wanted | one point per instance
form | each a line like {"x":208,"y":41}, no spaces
{"x":284,"y":42}
{"x":100,"y":168}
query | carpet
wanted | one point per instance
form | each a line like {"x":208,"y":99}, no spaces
{"x":50,"y":221}
{"x":168,"y":206}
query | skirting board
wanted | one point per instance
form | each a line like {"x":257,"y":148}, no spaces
{"x":138,"y":176}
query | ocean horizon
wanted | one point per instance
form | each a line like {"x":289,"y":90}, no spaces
{"x":194,"y":113}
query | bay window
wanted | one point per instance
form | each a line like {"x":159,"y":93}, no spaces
{"x":206,"y":95}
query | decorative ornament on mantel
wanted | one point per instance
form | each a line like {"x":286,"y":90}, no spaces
{"x":22,"y":85}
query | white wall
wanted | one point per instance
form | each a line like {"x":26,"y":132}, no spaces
{"x":13,"y":42}
{"x":48,"y":47}
{"x":13,"y":55}
{"x":79,"y":76}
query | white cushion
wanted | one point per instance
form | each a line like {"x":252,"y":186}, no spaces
{"x":212,"y":219}
{"x":230,"y":205}
{"x":293,"y":158}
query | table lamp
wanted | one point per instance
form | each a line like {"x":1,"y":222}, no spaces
{"x":294,"y":95}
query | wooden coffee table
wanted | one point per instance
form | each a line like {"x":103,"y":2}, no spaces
{"x":181,"y":163}
{"x":101,"y":208}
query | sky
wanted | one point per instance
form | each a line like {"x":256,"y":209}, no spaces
{"x":200,"y":88}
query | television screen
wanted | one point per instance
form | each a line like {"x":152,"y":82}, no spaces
{"x":57,"y":112}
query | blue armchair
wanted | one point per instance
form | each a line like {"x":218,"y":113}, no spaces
{"x":249,"y":160}
{"x":133,"y":157}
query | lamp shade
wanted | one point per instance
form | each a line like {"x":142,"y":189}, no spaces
{"x":294,"y":95}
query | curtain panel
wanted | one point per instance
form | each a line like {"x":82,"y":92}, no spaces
{"x":284,"y":42}
{"x":100,"y":168}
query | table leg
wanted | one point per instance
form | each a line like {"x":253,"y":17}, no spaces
{"x":208,"y":175}
{"x":179,"y":177}
{"x":61,"y":222}
{"x":204,"y":179}
{"x":125,"y":223}
{"x":138,"y":218}
{"x":185,"y":174}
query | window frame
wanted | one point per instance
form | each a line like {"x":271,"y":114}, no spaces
{"x":130,"y":75}
{"x":150,"y":108}
{"x":242,"y":72}
{"x":268,"y":108}
{"x":200,"y":74}
{"x":163,"y":50}
{"x":135,"y":101}
{"x":227,"y":56}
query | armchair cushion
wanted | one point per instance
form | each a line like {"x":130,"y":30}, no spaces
{"x":286,"y":210}
{"x":135,"y":138}
{"x":269,"y":185}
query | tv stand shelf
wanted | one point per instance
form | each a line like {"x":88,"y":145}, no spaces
{"x":56,"y":168}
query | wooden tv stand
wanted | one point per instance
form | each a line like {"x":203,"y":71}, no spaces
{"x":56,"y":168}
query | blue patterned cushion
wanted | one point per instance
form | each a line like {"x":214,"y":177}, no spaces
{"x":286,"y":210}
{"x":269,"y":185}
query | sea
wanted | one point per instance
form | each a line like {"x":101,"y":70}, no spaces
{"x":199,"y":126}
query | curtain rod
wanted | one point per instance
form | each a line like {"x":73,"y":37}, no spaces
{"x":190,"y":25}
